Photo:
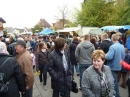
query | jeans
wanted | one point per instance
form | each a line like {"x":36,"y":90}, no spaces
{"x":43,"y":72}
{"x":76,"y":67}
{"x":115,"y":73}
{"x":28,"y":93}
{"x":82,"y":68}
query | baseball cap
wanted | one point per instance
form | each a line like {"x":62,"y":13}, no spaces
{"x":21,"y":42}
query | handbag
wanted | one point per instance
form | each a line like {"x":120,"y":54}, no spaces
{"x":74,"y":86}
{"x":3,"y":85}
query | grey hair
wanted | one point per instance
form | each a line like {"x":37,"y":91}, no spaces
{"x":2,"y":47}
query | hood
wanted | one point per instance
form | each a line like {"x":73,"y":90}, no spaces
{"x":87,"y":44}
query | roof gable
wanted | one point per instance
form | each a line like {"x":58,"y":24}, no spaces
{"x":43,"y":23}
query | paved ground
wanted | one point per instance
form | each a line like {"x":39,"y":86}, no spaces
{"x":38,"y":90}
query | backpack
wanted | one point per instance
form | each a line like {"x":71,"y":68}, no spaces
{"x":3,"y":85}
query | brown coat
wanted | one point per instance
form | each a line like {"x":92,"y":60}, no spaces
{"x":25,"y":61}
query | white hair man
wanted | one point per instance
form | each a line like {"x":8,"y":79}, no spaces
{"x":115,"y":54}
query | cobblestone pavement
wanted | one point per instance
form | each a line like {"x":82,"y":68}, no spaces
{"x":38,"y":90}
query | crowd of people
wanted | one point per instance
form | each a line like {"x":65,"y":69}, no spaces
{"x":99,"y":63}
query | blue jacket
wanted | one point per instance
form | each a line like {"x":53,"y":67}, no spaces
{"x":128,"y":43}
{"x":115,"y":54}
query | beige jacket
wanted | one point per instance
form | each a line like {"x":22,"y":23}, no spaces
{"x":25,"y":61}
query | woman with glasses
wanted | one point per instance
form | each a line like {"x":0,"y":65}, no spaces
{"x":97,"y":80}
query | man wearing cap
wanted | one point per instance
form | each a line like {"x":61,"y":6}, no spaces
{"x":25,"y":61}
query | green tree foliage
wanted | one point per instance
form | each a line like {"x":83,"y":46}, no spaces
{"x":126,"y":13}
{"x":96,"y":13}
{"x":37,"y":29}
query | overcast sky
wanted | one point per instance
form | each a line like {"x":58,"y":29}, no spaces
{"x":26,"y":13}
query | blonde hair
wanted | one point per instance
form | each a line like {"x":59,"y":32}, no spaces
{"x":115,"y":37}
{"x":98,"y":54}
{"x":120,"y":34}
{"x":105,"y":35}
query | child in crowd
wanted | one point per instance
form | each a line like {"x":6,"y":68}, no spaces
{"x":33,"y":58}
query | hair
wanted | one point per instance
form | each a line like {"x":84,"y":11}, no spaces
{"x":98,"y":54}
{"x":41,"y":44}
{"x":86,"y":37}
{"x":93,"y":41}
{"x":115,"y":37}
{"x":120,"y":34}
{"x":3,"y":47}
{"x":105,"y":35}
{"x":74,"y":39}
{"x":59,"y":43}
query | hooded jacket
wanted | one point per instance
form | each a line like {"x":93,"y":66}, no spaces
{"x":83,"y":52}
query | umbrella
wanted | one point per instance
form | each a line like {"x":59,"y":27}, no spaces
{"x":2,"y":20}
{"x":96,"y":31}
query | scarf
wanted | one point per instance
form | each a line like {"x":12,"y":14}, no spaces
{"x":104,"y":87}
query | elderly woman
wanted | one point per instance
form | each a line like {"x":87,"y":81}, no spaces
{"x":12,"y":72}
{"x":97,"y":79}
{"x":59,"y":69}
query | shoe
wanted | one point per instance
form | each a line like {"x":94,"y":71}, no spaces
{"x":80,"y":88}
{"x":77,"y":74}
{"x":45,"y":87}
{"x":123,"y":86}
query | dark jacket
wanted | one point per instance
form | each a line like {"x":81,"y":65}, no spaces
{"x":72,"y":47}
{"x":12,"y":73}
{"x":11,"y":48}
{"x":105,"y":45}
{"x":60,"y":79}
{"x":41,"y":58}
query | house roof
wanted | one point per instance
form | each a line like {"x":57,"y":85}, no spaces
{"x":59,"y":24}
{"x":43,"y":23}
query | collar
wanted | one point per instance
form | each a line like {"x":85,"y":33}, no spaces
{"x":20,"y":53}
{"x":62,"y":51}
{"x":115,"y":42}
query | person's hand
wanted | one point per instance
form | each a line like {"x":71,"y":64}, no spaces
{"x":22,"y":92}
{"x":27,"y":87}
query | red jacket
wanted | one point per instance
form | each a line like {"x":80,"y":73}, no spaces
{"x":125,"y":65}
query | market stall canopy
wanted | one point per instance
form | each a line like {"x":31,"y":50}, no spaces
{"x":113,"y":28}
{"x":67,"y":32}
{"x":46,"y":31}
{"x":70,"y":31}
{"x":2,"y":20}
{"x":96,"y":31}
